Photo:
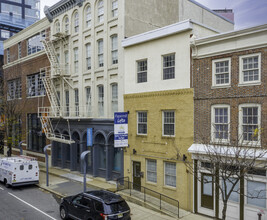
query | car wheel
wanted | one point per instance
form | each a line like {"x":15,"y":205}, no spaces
{"x":63,"y":213}
{"x":6,"y":184}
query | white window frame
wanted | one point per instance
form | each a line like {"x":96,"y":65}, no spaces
{"x":88,"y":98}
{"x":165,"y":162}
{"x":213,"y":107}
{"x":240,"y":126}
{"x":88,"y":56}
{"x":168,"y":67}
{"x":14,"y":89}
{"x":76,"y":22}
{"x":100,"y":52}
{"x":163,"y":123}
{"x":214,"y":84}
{"x":35,"y":83}
{"x":138,"y":122}
{"x":66,"y":25}
{"x":114,"y":49}
{"x":114,"y":98}
{"x":88,"y":16}
{"x":57,"y":26}
{"x":241,"y":76}
{"x":101,"y":97}
{"x":114,"y":8}
{"x":100,"y":11}
{"x":66,"y":60}
{"x":76,"y":60}
{"x":151,"y":171}
{"x":76,"y":102}
{"x":141,"y":71}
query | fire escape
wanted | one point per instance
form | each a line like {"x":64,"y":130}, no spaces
{"x":49,"y":75}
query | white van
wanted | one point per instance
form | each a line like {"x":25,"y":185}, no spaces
{"x":19,"y":170}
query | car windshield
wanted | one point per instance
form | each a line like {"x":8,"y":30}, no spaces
{"x":121,"y":206}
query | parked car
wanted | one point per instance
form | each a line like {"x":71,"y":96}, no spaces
{"x":94,"y":205}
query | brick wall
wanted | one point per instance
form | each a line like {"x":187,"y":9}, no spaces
{"x":205,"y":96}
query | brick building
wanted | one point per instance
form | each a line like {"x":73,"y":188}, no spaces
{"x":230,"y":104}
{"x":24,"y":57}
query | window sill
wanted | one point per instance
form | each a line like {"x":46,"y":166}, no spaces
{"x":220,"y":86}
{"x":167,"y":137}
{"x":169,"y":188}
{"x":31,"y":97}
{"x":87,"y":29}
{"x":249,"y":84}
{"x":100,"y":69}
{"x":99,"y":25}
{"x":112,"y":19}
{"x":75,"y":35}
{"x":113,"y":67}
{"x":141,"y":135}
{"x":151,"y":183}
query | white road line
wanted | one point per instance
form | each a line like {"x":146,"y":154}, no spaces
{"x":32,"y":206}
{"x":1,"y":188}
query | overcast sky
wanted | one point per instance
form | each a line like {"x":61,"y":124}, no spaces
{"x":247,"y":12}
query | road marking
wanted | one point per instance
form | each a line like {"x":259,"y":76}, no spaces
{"x":1,"y":188}
{"x":31,"y":206}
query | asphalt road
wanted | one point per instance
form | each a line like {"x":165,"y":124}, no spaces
{"x":27,"y":203}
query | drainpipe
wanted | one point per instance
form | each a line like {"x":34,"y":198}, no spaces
{"x":84,"y":162}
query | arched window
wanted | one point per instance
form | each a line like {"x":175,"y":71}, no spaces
{"x":76,"y":22}
{"x":100,"y":53}
{"x":100,"y":11}
{"x":88,"y":16}
{"x":66,"y":25}
{"x":57,"y":27}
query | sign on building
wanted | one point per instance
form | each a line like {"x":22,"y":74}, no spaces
{"x":90,"y":137}
{"x":121,"y":129}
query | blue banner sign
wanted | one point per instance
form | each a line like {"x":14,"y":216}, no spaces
{"x":120,"y":129}
{"x":90,"y":137}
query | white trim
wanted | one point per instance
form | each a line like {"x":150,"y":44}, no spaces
{"x":137,"y":118}
{"x":241,"y":77}
{"x":163,"y":111}
{"x":214,"y":85}
{"x":240,"y":124}
{"x":147,"y":159}
{"x":213,"y":121}
{"x":158,"y":33}
{"x":164,"y":172}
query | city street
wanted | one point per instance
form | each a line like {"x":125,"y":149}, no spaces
{"x":27,"y":203}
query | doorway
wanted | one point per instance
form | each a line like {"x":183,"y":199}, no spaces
{"x":207,"y":196}
{"x":136,"y":175}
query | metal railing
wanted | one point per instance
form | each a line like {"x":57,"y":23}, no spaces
{"x":155,"y":198}
{"x":66,"y":111}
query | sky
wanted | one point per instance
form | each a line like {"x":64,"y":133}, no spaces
{"x":247,"y":12}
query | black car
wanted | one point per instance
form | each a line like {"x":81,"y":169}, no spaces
{"x":95,"y":205}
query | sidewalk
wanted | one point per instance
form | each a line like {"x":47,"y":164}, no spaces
{"x":63,"y":183}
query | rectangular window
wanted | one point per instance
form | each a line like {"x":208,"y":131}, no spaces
{"x":234,"y":196}
{"x":170,"y":174}
{"x":76,"y":96}
{"x":114,"y":8}
{"x":14,"y":89}
{"x":256,"y":193}
{"x":114,"y":49}
{"x":5,"y":34}
{"x":141,"y":71}
{"x":36,"y":138}
{"x":168,"y":123}
{"x":7,"y":55}
{"x":76,"y":60}
{"x":250,"y":68}
{"x":76,"y":22}
{"x":114,"y":98}
{"x":141,"y":122}
{"x":169,"y":66}
{"x":250,"y":122}
{"x":221,"y":72}
{"x":88,"y":16}
{"x":100,"y":101}
{"x":151,"y":172}
{"x":66,"y":59}
{"x":100,"y":12}
{"x":19,"y":50}
{"x":67,"y":97}
{"x":35,"y":86}
{"x":88,"y":101}
{"x":34,"y":44}
{"x":100,"y":53}
{"x":220,"y":122}
{"x":88,"y":56}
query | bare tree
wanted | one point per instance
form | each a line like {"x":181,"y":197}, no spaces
{"x":228,"y":164}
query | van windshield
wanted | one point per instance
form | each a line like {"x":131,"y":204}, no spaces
{"x":121,"y":206}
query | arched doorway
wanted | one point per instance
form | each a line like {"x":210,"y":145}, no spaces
{"x":99,"y":146}
{"x":77,"y":151}
{"x":66,"y":152}
{"x":89,"y":155}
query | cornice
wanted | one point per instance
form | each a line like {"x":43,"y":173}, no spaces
{"x":160,"y":93}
